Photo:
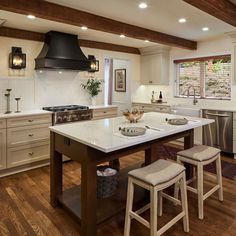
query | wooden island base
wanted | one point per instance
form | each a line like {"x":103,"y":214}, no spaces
{"x":82,"y":201}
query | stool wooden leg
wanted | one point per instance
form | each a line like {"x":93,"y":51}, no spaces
{"x":160,"y":203}
{"x":184,"y":201}
{"x":219,"y":178}
{"x":176,"y":192}
{"x":200,"y":190}
{"x":129,"y":206}
{"x":153,"y":211}
{"x":176,"y":189}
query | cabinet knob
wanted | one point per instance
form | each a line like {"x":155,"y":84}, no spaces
{"x":150,"y":81}
{"x":31,"y":153}
{"x":31,"y":135}
{"x":30,"y":120}
{"x":104,"y":112}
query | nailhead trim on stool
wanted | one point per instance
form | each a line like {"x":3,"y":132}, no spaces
{"x":200,"y":156}
{"x":156,"y":177}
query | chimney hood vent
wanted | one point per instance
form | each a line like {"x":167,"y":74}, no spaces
{"x":61,"y":51}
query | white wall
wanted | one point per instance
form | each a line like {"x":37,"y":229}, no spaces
{"x":217,"y":46}
{"x":122,"y":99}
{"x":51,"y":88}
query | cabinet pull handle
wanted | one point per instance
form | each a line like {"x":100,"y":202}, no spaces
{"x":104,"y":112}
{"x":31,"y":135}
{"x":31,"y":153}
{"x":30,"y":120}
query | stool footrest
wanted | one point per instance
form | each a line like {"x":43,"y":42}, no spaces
{"x":170,"y":198}
{"x":191,"y":189}
{"x":143,"y":209}
{"x":214,"y":189}
{"x":139,"y":219}
{"x":170,"y":223}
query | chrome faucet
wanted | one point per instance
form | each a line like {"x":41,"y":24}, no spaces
{"x":195,"y":101}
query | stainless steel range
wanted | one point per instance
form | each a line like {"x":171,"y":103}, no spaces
{"x":69,"y":113}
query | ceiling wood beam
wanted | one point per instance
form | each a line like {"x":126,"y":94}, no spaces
{"x":59,"y":13}
{"x":221,"y":9}
{"x":35,"y":36}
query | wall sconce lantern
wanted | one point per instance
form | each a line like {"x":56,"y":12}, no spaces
{"x":17,"y":59}
{"x":94,"y":64}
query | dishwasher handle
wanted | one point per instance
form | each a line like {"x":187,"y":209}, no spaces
{"x":218,"y":115}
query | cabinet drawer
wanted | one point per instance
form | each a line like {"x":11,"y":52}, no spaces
{"x":29,"y":120}
{"x":2,"y":124}
{"x":27,"y":134}
{"x":27,"y":154}
{"x":3,"y":148}
{"x":104,"y":113}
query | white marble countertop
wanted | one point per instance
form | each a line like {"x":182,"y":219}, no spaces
{"x":24,"y":113}
{"x":101,"y":106}
{"x":104,"y":134}
{"x":198,"y":106}
{"x":155,"y":104}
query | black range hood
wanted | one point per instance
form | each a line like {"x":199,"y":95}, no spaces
{"x":62,"y":51}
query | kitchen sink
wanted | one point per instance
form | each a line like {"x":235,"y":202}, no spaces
{"x":186,"y":111}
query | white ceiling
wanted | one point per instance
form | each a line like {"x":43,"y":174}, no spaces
{"x":161,"y":15}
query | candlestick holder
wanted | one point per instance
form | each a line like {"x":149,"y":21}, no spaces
{"x":17,"y":105}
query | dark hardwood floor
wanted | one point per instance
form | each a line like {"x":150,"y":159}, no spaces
{"x":25,"y":208}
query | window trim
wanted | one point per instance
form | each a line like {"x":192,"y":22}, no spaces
{"x":199,"y":59}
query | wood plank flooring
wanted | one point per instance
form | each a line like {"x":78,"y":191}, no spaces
{"x":25,"y":208}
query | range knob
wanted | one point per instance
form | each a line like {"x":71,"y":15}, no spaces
{"x":59,"y":119}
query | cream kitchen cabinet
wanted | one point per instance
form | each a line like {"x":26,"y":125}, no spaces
{"x":153,"y":107}
{"x":27,"y":139}
{"x":24,"y":142}
{"x":104,"y":112}
{"x":155,"y":69}
{"x":2,"y":144}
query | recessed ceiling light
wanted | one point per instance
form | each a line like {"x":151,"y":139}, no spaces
{"x":182,"y":20}
{"x":122,"y":36}
{"x":205,"y":29}
{"x":146,"y":41}
{"x":142,"y":5}
{"x":60,"y":72}
{"x":32,"y":17}
{"x":84,"y":27}
{"x":40,"y":71}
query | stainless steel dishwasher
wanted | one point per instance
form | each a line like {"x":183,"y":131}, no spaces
{"x":220,"y":133}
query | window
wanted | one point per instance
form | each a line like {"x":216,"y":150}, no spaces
{"x":208,"y":77}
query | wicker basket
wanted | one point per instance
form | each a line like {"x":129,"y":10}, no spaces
{"x":106,"y":185}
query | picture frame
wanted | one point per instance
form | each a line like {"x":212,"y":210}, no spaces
{"x":120,"y":80}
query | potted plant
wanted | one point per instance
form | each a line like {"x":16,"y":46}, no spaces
{"x":93,"y":87}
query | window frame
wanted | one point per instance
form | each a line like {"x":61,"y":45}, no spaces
{"x":199,"y":59}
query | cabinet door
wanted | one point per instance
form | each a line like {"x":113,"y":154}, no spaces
{"x":2,"y":149}
{"x":146,"y":69}
{"x":155,"y":69}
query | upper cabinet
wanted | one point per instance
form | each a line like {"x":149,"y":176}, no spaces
{"x":154,"y":66}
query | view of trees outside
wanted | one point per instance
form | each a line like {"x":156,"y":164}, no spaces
{"x":210,"y":79}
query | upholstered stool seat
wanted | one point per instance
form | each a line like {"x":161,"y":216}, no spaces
{"x":199,"y":156}
{"x":155,"y":178}
{"x":200,"y":153}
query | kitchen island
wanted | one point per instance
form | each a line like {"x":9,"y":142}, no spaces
{"x":95,"y":142}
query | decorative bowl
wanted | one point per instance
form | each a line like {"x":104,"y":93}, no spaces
{"x":133,"y":131}
{"x":177,"y":121}
{"x":134,"y":115}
